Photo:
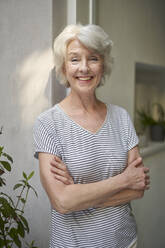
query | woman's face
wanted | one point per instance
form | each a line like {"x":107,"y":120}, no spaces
{"x":83,"y":68}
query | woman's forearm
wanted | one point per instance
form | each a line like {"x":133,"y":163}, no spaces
{"x":121,"y":197}
{"x":77,"y":197}
{"x":109,"y":192}
{"x":74,"y":197}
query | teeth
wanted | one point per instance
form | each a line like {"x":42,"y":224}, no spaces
{"x":85,"y":79}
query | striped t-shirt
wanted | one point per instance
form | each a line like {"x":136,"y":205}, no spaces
{"x":89,"y":158}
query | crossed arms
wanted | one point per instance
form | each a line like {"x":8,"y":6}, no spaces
{"x":65,"y":196}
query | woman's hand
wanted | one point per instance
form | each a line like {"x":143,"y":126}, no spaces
{"x":136,"y":175}
{"x":60,"y":171}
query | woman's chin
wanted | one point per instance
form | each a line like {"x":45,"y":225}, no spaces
{"x":88,"y":84}
{"x":84,"y":82}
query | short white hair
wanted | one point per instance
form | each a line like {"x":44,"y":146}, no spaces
{"x":92,"y":37}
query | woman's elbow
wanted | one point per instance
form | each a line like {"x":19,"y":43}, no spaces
{"x":61,"y":205}
{"x":61,"y":210}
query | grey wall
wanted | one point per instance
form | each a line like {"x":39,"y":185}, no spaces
{"x":149,"y":210}
{"x":26,"y":62}
{"x":59,"y":11}
{"x":137,"y":29}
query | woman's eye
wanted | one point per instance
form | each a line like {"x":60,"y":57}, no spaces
{"x":74,"y":60}
{"x":94,"y":58}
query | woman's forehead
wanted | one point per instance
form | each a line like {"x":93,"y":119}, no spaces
{"x":76,"y":47}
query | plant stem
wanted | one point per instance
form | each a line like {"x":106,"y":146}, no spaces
{"x":10,"y":222}
{"x":27,"y":192}
{"x":19,"y":197}
{"x":4,"y":237}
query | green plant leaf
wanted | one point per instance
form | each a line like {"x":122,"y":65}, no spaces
{"x":8,"y":157}
{"x":20,"y":229}
{"x":145,"y":118}
{"x":24,"y":175}
{"x":6,"y":209}
{"x":6,"y":165}
{"x":19,"y":211}
{"x":23,"y":200}
{"x":23,"y":219}
{"x":31,"y":175}
{"x":18,"y":185}
{"x":24,"y":182}
{"x":2,"y":182}
{"x":2,"y":243}
{"x":12,"y":221}
{"x":32,"y":245}
{"x":14,"y":235}
{"x":2,"y":224}
{"x":3,"y":201}
{"x":34,"y":191}
{"x":1,"y":150}
{"x":9,"y":198}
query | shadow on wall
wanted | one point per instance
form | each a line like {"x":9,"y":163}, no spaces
{"x":32,"y":85}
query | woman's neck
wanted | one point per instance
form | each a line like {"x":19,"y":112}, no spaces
{"x":81,"y":102}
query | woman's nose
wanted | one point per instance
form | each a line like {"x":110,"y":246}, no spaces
{"x":84,"y":67}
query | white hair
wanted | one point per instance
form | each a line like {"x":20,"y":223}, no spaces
{"x":92,"y":37}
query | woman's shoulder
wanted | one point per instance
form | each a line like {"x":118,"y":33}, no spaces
{"x":49,"y":115}
{"x":116,"y":110}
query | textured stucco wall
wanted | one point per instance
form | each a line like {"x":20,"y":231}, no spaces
{"x":26,"y":62}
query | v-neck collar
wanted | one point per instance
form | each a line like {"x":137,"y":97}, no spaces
{"x":81,"y":127}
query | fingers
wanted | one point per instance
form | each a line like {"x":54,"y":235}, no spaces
{"x":137,"y":175}
{"x":147,"y":187}
{"x":58,"y":167}
{"x":146,"y":170}
{"x":60,"y":171}
{"x":136,"y":162}
{"x":63,"y":179}
{"x":57,"y":172}
{"x":57,"y":159}
{"x":147,"y":182}
{"x":57,"y":162}
{"x":146,"y":178}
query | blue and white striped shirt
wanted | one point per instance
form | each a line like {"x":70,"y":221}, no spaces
{"x":89,"y":158}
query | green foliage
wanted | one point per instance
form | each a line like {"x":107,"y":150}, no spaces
{"x":13,"y":224}
{"x":160,"y":113}
{"x":146,"y":117}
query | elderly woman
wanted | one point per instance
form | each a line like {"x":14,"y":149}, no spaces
{"x":88,"y":155}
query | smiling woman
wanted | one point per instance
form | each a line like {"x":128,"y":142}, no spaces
{"x":91,"y":37}
{"x":87,"y":149}
{"x":82,"y":67}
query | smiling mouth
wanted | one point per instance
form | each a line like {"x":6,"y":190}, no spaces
{"x":85,"y":78}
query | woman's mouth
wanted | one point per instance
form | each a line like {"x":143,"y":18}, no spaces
{"x":85,"y":78}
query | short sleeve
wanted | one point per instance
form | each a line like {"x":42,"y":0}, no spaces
{"x":44,"y":139}
{"x":132,"y":138}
